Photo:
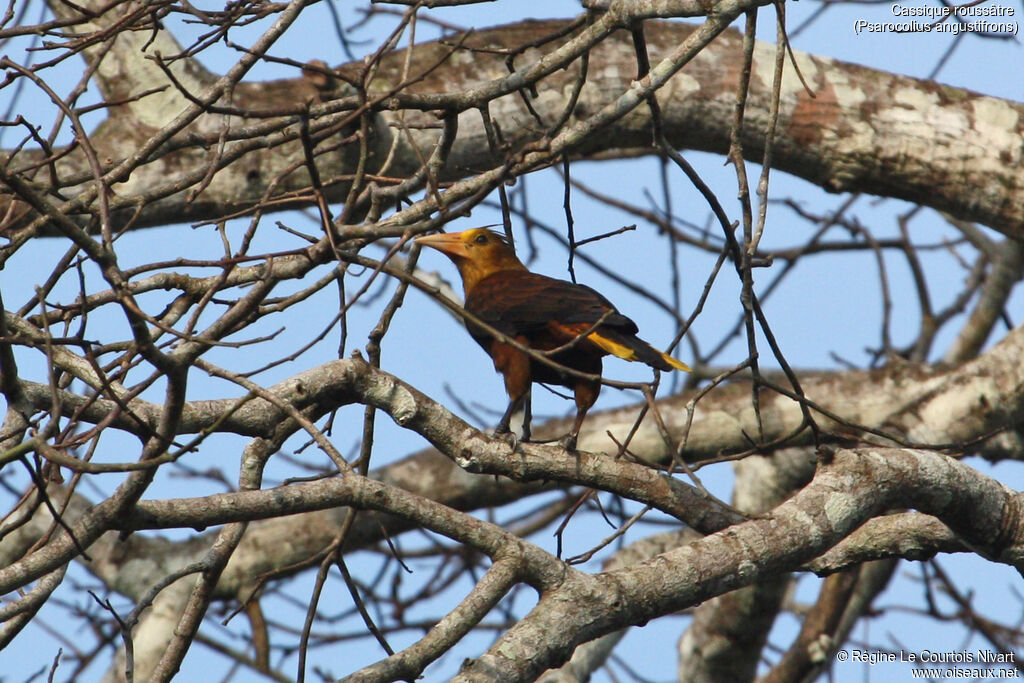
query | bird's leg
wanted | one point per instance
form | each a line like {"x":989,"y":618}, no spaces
{"x":527,"y":413}
{"x":568,"y":442}
{"x":514,"y":366}
{"x":502,"y":430}
{"x":586,"y":394}
{"x":502,"y":427}
{"x":513,"y":406}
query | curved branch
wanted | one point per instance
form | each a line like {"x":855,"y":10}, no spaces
{"x":849,"y":488}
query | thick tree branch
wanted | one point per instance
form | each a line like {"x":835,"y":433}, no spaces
{"x":853,"y":486}
{"x":862,"y":131}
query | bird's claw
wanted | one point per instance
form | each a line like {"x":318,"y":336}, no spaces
{"x":509,"y":437}
{"x":568,"y":442}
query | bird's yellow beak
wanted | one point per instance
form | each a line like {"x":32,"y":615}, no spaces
{"x":447,"y":243}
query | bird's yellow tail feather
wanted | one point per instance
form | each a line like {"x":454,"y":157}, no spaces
{"x":677,"y":364}
{"x":613,"y":347}
{"x":629,"y":353}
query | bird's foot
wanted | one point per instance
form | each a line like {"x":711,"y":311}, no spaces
{"x":509,"y":437}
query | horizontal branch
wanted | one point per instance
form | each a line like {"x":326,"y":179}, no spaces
{"x":862,"y":130}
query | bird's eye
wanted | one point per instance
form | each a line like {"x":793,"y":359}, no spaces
{"x":481,"y":239}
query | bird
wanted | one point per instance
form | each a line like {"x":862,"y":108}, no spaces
{"x":571,"y":324}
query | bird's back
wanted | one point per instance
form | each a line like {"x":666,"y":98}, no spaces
{"x":520,"y":302}
{"x":551,"y":313}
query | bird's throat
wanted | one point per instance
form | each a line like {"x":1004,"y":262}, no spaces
{"x":473,"y":271}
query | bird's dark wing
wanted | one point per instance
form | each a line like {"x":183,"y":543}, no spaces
{"x":551,"y":313}
{"x":520,"y":302}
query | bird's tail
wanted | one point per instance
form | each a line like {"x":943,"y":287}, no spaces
{"x":631,"y":347}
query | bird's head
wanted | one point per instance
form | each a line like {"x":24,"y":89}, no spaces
{"x":477,"y":253}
